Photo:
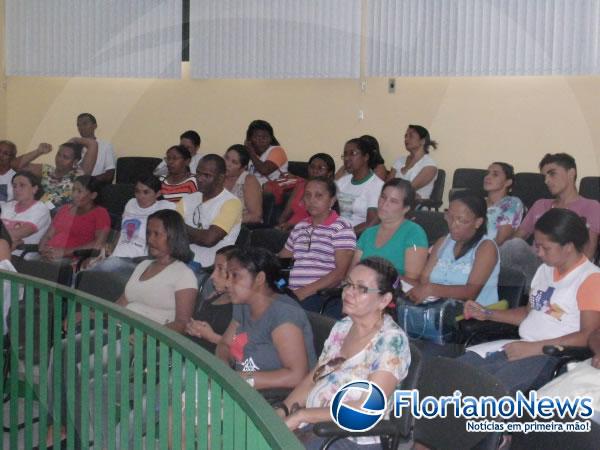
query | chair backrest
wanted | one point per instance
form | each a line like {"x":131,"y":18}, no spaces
{"x":441,"y":377}
{"x":50,"y":271}
{"x":106,"y":285}
{"x":243,"y":238}
{"x":129,"y":168}
{"x":298,"y":168}
{"x":511,"y":286}
{"x":437,"y":193}
{"x":405,"y":423}
{"x":530,"y":187}
{"x":588,"y":440}
{"x":272,"y":239}
{"x":268,"y":204}
{"x":433,"y":223}
{"x":589,"y":187}
{"x":321,"y":326}
{"x":114,"y":197}
{"x":471,"y":179}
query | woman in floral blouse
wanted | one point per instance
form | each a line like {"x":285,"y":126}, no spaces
{"x":365,"y":345}
{"x":504,"y":212}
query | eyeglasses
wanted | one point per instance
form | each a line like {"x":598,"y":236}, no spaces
{"x":457,"y":220}
{"x":350,"y":154}
{"x":333,"y":365}
{"x":362,"y":290}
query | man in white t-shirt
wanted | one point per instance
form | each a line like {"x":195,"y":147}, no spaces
{"x":213,"y":215}
{"x":104,"y":169}
{"x":191,"y":141}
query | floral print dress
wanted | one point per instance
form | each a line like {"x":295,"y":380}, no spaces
{"x":387,"y":351}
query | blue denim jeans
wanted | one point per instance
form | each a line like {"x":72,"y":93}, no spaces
{"x":521,"y":375}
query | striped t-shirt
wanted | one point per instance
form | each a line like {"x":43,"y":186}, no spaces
{"x":314,"y":247}
{"x":174,"y":192}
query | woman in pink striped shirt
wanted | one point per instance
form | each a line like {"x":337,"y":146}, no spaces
{"x":321,"y":245}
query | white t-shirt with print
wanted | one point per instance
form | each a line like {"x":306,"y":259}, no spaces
{"x":356,"y":199}
{"x":224,"y":211}
{"x":37,"y":215}
{"x":162,"y":171}
{"x":132,"y":240}
{"x":411,"y":174}
{"x":6,"y":189}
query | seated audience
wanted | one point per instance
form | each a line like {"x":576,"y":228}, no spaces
{"x":365,"y":345}
{"x":5,"y":264}
{"x":179,"y":180}
{"x":504,"y":212}
{"x":358,"y":191}
{"x":57,"y":182}
{"x":212,"y":215}
{"x":242,"y":184}
{"x":104,"y":169}
{"x":162,"y":289}
{"x":8,"y":153}
{"x":79,"y":225}
{"x":269,"y":340}
{"x":418,"y":167}
{"x":322,"y":246}
{"x":132,"y":238}
{"x":190,"y":140}
{"x":378,"y":163}
{"x":25,"y":218}
{"x":212,"y":317}
{"x":583,"y":380}
{"x":319,"y":165}
{"x":268,"y":158}
{"x":396,"y":239}
{"x":465,"y":263}
{"x":563,"y":306}
{"x":560,"y":174}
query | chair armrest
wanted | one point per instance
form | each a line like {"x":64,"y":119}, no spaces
{"x":274,"y":395}
{"x":330,"y":429}
{"x":28,"y":248}
{"x":330,"y":292}
{"x":570,"y":353}
{"x":86,"y":253}
{"x":474,"y":331}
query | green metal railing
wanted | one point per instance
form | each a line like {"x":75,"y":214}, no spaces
{"x":117,"y":380}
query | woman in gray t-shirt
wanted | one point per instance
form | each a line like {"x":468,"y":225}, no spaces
{"x":269,"y":340}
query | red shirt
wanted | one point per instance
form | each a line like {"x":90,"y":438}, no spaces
{"x":73,"y":230}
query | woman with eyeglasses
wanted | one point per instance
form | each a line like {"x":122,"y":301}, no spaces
{"x":359,"y":190}
{"x":463,"y":265}
{"x":365,"y":345}
{"x":269,"y":340}
{"x":321,"y":245}
{"x":179,"y":180}
{"x":378,"y":163}
{"x":395,"y":238}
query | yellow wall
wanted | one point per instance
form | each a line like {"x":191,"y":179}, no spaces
{"x":2,"y":76}
{"x":475,"y":120}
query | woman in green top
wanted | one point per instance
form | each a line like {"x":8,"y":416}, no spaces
{"x":397,"y":239}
